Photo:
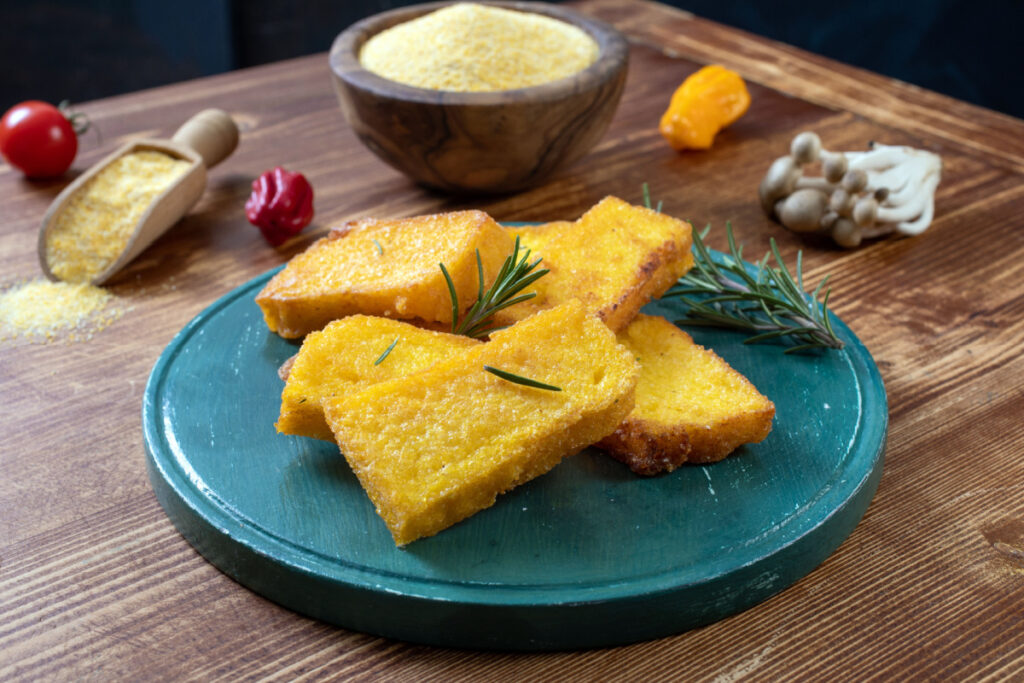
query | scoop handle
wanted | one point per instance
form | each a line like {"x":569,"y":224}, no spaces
{"x":212,"y":133}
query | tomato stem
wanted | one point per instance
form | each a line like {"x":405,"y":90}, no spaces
{"x":79,"y":120}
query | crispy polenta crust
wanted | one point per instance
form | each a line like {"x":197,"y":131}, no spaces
{"x":691,"y":406}
{"x":647,"y":448}
{"x":614,"y":259}
{"x":386,"y":268}
{"x":342,"y":359}
{"x":433,"y":448}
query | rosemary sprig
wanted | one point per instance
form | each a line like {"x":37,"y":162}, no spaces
{"x":519,"y":379}
{"x":515,"y":275}
{"x":769,"y":303}
{"x":647,"y":199}
{"x":384,"y":355}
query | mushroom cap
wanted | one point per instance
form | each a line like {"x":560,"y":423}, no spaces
{"x":779,"y":181}
{"x":805,"y":148}
{"x":828,"y":219}
{"x":802,"y":211}
{"x":865,"y":211}
{"x":834,"y":166}
{"x":846,"y":233}
{"x":841,"y":202}
{"x":855,"y":180}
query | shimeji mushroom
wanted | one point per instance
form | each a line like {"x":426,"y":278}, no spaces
{"x":909,"y":177}
{"x":859,"y":195}
{"x":806,"y":148}
{"x":779,"y":182}
{"x":803,"y":210}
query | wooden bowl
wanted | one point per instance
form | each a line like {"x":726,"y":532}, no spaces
{"x":489,"y":142}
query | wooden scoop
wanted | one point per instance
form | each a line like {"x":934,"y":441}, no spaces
{"x":204,"y":140}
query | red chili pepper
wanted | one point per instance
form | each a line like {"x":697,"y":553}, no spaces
{"x":281,"y":204}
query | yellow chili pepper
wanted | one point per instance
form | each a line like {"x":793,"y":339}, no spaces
{"x":706,"y":102}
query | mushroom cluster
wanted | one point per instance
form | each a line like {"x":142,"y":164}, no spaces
{"x":859,"y":195}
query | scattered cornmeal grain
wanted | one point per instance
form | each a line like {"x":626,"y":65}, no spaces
{"x":435,"y":447}
{"x":342,"y":358}
{"x":691,"y":406}
{"x":473,"y":48}
{"x":94,"y":226}
{"x":40,"y":311}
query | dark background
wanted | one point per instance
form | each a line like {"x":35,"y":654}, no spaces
{"x":54,"y":50}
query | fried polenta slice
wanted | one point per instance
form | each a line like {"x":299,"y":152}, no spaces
{"x":343,"y":358}
{"x":386,"y":268}
{"x":433,"y":448}
{"x":691,"y":406}
{"x":614,"y":259}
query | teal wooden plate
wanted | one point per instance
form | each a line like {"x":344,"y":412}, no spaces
{"x":588,"y":555}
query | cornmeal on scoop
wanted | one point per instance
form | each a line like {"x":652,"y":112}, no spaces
{"x":435,"y":447}
{"x":614,"y":259}
{"x":691,"y":406}
{"x":386,"y":268}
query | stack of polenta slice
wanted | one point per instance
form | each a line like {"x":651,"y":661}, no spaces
{"x":431,"y":435}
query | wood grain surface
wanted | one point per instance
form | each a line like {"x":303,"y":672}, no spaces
{"x":96,"y":584}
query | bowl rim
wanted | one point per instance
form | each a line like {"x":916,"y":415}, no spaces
{"x":612,"y":58}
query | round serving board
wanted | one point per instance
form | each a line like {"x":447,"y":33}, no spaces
{"x":587,"y":555}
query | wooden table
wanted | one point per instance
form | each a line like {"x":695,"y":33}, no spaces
{"x":96,"y":583}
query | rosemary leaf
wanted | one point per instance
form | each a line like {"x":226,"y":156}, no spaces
{"x":519,"y":379}
{"x":771,"y":303}
{"x":479,"y":276}
{"x":386,"y":352}
{"x":454,"y":296}
{"x":647,"y":199}
{"x":380,"y":249}
{"x":516,"y":274}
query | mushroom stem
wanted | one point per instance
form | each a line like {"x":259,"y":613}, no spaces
{"x":883,"y":156}
{"x":913,"y":208}
{"x":921,"y":223}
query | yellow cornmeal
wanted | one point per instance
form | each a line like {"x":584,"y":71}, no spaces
{"x":94,"y":227}
{"x":41,"y":311}
{"x":472,"y":48}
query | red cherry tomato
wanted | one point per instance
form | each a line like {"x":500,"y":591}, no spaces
{"x":38,"y":138}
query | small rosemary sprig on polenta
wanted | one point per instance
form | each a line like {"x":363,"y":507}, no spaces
{"x":384,"y":355}
{"x":519,"y":379}
{"x":515,"y":275}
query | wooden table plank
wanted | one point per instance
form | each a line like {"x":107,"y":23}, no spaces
{"x":95,"y":582}
{"x":822,"y":81}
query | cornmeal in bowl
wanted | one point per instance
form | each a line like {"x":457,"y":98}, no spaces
{"x":468,"y":47}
